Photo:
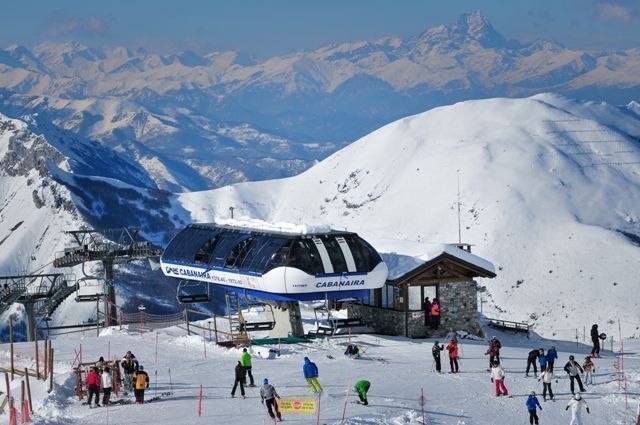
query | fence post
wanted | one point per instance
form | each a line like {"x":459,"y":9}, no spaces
{"x":215,"y":327}
{"x":26,"y":375}
{"x":50,"y":369}
{"x":186,"y":319}
{"x":98,"y":316}
{"x":45,"y":372}
{"x":11,"y":344}
{"x":37,"y":356}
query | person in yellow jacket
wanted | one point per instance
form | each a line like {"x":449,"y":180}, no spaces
{"x":245,"y":360}
{"x":141,"y":382}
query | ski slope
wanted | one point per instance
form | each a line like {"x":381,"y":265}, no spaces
{"x":398,"y":368}
{"x":549,"y":193}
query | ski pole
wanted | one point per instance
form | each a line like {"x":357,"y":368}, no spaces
{"x":170,"y":381}
{"x":155,"y":383}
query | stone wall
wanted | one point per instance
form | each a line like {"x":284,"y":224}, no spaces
{"x":459,"y":311}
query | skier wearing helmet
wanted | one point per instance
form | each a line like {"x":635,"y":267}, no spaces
{"x":574,"y":370}
{"x":576,"y":404}
{"x":531,"y":403}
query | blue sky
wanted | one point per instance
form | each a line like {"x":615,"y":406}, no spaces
{"x":269,"y":27}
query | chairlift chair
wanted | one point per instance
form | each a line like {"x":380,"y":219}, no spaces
{"x":191,"y":292}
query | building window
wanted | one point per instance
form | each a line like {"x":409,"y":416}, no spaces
{"x":415,"y":298}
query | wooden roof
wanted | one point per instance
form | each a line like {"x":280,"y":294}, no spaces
{"x":442,"y":268}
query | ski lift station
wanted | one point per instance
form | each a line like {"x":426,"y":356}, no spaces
{"x":281,"y":266}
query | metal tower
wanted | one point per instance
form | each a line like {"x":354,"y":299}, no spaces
{"x":110,"y":246}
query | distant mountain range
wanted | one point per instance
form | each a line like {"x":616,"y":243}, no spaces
{"x":189,"y":122}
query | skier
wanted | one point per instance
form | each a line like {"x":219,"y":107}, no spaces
{"x":595,"y":338}
{"x":532,"y":359}
{"x":547,"y":376}
{"x":141,"y":380}
{"x":435,"y":314}
{"x":576,"y":404}
{"x":241,"y":376}
{"x":362,"y":387}
{"x":107,"y":381}
{"x":100,"y":364}
{"x":269,"y":394}
{"x":310,"y":371}
{"x":93,"y":386}
{"x":452,"y":348}
{"x":552,"y":355}
{"x":542,"y":359}
{"x":494,"y":351}
{"x":589,"y":368}
{"x":246,"y":363}
{"x":574,"y":370}
{"x":435,"y":352}
{"x":129,"y":365}
{"x":497,"y":376}
{"x":352,"y":351}
{"x":531,"y":404}
{"x":427,"y":311}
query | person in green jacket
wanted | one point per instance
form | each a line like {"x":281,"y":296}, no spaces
{"x":361,"y":388}
{"x":245,"y":360}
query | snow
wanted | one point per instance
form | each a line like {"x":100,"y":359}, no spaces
{"x":547,"y":185}
{"x":181,"y":367}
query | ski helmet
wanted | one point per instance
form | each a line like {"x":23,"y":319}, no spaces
{"x":571,"y":358}
{"x":266,"y":381}
{"x":437,"y":342}
{"x":533,"y":393}
{"x":140,"y":367}
{"x":577,"y":396}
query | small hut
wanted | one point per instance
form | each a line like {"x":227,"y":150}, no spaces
{"x":449,"y":274}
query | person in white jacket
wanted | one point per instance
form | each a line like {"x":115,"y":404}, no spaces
{"x":576,"y":404}
{"x":107,"y":381}
{"x":546,"y":377}
{"x":497,"y":377}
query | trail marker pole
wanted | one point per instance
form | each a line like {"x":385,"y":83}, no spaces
{"x":204,"y":344}
{"x":318,"y":407}
{"x":422,"y":402}
{"x":170,"y":381}
{"x":156,"y":348}
{"x":346,"y":400}
{"x":200,"y":402}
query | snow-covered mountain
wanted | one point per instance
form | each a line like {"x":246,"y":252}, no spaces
{"x":549,"y":187}
{"x":200,"y":121}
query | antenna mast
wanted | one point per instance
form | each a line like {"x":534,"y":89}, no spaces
{"x":459,"y":227}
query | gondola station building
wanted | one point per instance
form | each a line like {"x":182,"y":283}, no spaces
{"x":448,"y":274}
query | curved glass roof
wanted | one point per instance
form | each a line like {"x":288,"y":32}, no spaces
{"x":254,"y":251}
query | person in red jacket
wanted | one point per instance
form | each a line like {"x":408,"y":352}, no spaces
{"x":435,"y":314}
{"x":93,"y":386}
{"x":452,"y":348}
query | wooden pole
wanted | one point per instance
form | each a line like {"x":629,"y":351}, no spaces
{"x":11,"y":345}
{"x":35,"y":340}
{"x":45,"y":373}
{"x":186,"y":319}
{"x":22,"y":393}
{"x":215,"y":328}
{"x":6,"y":380}
{"x":50,"y":370}
{"x":98,"y":316}
{"x":26,"y":374}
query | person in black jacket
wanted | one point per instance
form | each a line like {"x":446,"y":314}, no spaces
{"x":595,"y":338}
{"x":574,"y":370}
{"x":241,"y":374}
{"x":532,"y":359}
{"x":435,"y":352}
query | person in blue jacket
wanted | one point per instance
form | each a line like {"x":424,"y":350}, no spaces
{"x":552,"y":355}
{"x":310,"y":371}
{"x":531,"y":403}
{"x":542,"y":359}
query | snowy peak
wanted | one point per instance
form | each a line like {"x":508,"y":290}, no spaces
{"x":475,"y":26}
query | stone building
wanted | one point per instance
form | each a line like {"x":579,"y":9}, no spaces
{"x":448,"y":275}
